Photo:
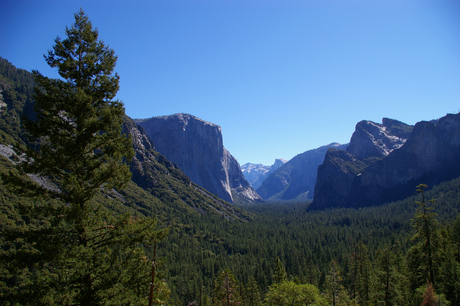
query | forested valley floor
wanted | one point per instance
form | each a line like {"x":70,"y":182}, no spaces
{"x":380,"y":252}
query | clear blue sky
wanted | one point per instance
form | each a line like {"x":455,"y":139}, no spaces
{"x":279,"y":77}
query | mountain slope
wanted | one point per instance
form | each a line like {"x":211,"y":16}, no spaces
{"x":255,"y":174}
{"x":296,"y":179}
{"x":196,"y":147}
{"x":429,"y":155}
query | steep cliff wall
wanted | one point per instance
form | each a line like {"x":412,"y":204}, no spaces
{"x":196,"y":147}
{"x":371,"y":176}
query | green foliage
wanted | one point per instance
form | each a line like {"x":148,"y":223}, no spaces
{"x":456,"y":237}
{"x":290,"y":293}
{"x":252,"y":293}
{"x":334,"y":291}
{"x":16,"y":90}
{"x":64,"y":247}
{"x":280,"y":274}
{"x":423,"y":256}
{"x":225,"y":291}
{"x":78,"y":125}
{"x":360,"y":274}
{"x":391,"y":284}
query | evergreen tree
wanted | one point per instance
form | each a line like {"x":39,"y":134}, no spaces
{"x":360,"y":274}
{"x":429,"y":298}
{"x":252,"y":293}
{"x":334,"y":291}
{"x":280,"y":274}
{"x":424,"y":253}
{"x":69,"y":249}
{"x":456,"y":237}
{"x":449,"y":272}
{"x":391,"y":283}
{"x":226,"y":290}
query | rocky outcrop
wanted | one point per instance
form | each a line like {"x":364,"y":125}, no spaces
{"x":155,"y":173}
{"x":196,"y":147}
{"x":336,"y":179}
{"x":147,"y":166}
{"x":372,"y":139}
{"x":255,"y":174}
{"x":429,"y":155}
{"x":296,"y":179}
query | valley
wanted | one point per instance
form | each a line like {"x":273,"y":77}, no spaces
{"x":349,"y":206}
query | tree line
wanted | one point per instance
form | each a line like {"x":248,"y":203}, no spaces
{"x":426,"y":272}
{"x":72,"y":241}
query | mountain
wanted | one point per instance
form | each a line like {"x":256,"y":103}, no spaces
{"x":255,"y":174}
{"x":295,"y":180}
{"x":372,"y":139}
{"x":157,"y":185}
{"x":196,"y":147}
{"x":386,"y":163}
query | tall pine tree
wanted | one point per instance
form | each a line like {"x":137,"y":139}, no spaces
{"x":423,"y":255}
{"x":334,"y":291}
{"x":279,"y":274}
{"x":360,"y":274}
{"x":69,"y":249}
{"x":225,"y":291}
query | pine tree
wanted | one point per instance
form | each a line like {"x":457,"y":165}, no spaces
{"x":360,"y":274}
{"x":71,"y":249}
{"x":456,"y":237}
{"x":391,"y":283}
{"x":448,"y":282}
{"x":423,"y":254}
{"x":334,"y":291}
{"x":280,"y":274}
{"x":252,"y":293}
{"x":225,"y":291}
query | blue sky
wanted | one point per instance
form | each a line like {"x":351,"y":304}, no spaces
{"x":279,"y":77}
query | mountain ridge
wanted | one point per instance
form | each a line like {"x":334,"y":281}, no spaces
{"x":255,"y":174}
{"x":295,"y":180}
{"x":429,"y":155}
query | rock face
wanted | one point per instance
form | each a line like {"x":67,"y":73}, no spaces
{"x":154,"y":172}
{"x":296,"y":179}
{"x":372,"y":139}
{"x":255,"y":174}
{"x":429,"y":155}
{"x":196,"y":147}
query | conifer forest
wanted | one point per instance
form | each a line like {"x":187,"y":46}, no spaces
{"x":76,"y":230}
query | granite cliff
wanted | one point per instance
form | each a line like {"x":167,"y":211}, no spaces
{"x":372,"y":139}
{"x":196,"y":147}
{"x":401,"y":157}
{"x":296,"y":179}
